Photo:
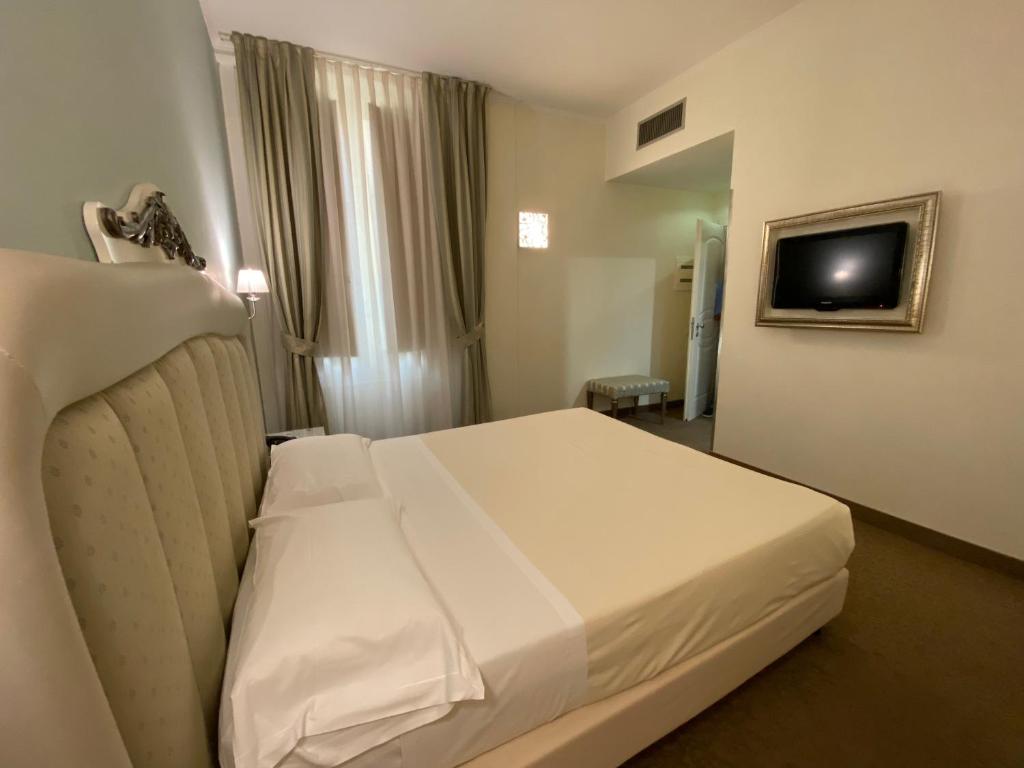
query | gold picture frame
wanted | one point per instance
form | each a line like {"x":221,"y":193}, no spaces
{"x":920,"y":212}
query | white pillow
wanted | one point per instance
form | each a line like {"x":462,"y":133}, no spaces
{"x":340,"y":635}
{"x":319,"y":470}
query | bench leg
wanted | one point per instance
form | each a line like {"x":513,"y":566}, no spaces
{"x":590,"y":400}
{"x":664,"y":405}
{"x":615,"y":408}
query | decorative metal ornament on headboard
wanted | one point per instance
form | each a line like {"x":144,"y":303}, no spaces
{"x":154,"y":225}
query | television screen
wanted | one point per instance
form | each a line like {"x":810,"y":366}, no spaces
{"x":848,"y":269}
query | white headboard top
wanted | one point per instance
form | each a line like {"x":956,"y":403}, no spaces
{"x":74,"y":327}
{"x":143,"y":229}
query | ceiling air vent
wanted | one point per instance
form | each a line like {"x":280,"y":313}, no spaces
{"x":669,"y":120}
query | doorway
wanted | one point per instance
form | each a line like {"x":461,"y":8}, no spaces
{"x":691,"y":341}
{"x":691,"y":423}
{"x":705,"y":322}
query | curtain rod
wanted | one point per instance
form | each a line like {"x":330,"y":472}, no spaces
{"x":337,"y":57}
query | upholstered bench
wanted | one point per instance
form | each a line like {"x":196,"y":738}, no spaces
{"x":615,"y":387}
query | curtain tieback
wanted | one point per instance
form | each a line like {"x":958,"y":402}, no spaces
{"x":472,"y":337}
{"x":298,"y":346}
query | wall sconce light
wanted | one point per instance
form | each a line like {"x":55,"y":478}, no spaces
{"x":253,"y":282}
{"x":533,"y":229}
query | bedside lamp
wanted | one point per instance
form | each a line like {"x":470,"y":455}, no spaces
{"x":253,"y":282}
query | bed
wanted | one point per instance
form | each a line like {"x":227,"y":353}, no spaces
{"x":640,"y":581}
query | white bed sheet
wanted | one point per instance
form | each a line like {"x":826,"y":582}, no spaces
{"x":526,"y":638}
{"x":553,"y":484}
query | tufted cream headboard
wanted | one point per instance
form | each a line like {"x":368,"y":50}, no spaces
{"x":131,"y":460}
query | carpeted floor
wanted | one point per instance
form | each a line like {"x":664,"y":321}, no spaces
{"x":924,"y":667}
{"x":695,"y":434}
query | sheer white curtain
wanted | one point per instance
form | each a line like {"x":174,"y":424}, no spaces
{"x":383,"y":353}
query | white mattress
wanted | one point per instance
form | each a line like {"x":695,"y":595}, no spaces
{"x":662,"y":552}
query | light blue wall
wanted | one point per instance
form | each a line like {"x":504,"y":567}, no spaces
{"x":97,"y":96}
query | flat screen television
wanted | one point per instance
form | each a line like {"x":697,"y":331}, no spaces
{"x":847,"y":269}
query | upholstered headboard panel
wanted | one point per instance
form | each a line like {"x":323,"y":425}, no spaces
{"x":132,"y":460}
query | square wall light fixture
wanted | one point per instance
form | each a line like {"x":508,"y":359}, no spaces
{"x":533,"y":229}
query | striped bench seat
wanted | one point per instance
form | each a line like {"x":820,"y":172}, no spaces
{"x":635,"y":386}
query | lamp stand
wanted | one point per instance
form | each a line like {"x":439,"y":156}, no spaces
{"x":252,"y":298}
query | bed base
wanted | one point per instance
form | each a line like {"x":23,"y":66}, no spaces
{"x":607,"y":733}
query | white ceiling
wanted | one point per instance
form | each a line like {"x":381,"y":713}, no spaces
{"x":588,"y":56}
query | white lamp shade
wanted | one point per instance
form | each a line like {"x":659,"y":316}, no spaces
{"x":251,"y":281}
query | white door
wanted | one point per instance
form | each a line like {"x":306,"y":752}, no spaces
{"x":702,"y":351}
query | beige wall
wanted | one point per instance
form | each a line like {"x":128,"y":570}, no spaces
{"x":836,"y":103}
{"x":599,"y":300}
{"x":98,"y":96}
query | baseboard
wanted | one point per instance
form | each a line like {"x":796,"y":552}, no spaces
{"x":965,"y":550}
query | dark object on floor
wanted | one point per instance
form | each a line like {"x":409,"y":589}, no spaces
{"x":273,"y":440}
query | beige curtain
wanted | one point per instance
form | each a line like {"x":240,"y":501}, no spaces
{"x":457,"y":170}
{"x":280,"y":125}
